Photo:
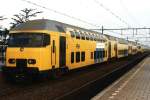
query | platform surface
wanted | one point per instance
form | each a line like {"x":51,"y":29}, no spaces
{"x":134,"y":85}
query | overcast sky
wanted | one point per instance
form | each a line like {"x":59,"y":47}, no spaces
{"x":136,"y":13}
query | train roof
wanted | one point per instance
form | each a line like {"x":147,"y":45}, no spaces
{"x":111,"y":37}
{"x":45,"y":24}
{"x":122,"y":41}
{"x":132,"y":42}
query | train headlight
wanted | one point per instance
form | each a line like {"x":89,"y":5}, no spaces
{"x":31,"y":61}
{"x":11,"y":61}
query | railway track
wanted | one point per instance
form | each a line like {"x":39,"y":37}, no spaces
{"x":90,"y":89}
{"x":67,"y":87}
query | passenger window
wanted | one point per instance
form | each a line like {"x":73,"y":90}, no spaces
{"x":77,"y":35}
{"x":46,"y":40}
{"x":82,"y":56}
{"x":72,"y":57}
{"x":91,"y":55}
{"x":83,"y":36}
{"x":91,"y":37}
{"x":87,"y":36}
{"x":94,"y":38}
{"x":77,"y":56}
{"x":72,"y":34}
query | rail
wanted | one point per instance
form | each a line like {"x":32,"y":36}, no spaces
{"x":90,"y":89}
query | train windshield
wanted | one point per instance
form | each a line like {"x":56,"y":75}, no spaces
{"x":27,"y":40}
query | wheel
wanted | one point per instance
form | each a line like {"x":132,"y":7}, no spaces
{"x":56,"y":73}
{"x":65,"y":70}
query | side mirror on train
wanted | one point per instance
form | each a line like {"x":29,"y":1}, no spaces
{"x":46,"y":40}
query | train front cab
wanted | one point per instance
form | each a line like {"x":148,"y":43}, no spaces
{"x":34,"y":52}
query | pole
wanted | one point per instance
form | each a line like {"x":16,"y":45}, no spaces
{"x":102,"y":30}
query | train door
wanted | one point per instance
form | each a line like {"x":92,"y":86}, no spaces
{"x":109,"y":50}
{"x":62,"y":51}
{"x":115,"y":48}
{"x":53,"y":51}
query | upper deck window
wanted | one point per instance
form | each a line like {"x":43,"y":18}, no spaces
{"x":82,"y":35}
{"x":72,"y":34}
{"x":28,"y":40}
{"x":94,"y":37}
{"x":77,"y":35}
{"x":91,"y":36}
{"x":87,"y":36}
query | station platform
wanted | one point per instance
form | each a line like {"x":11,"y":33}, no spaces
{"x":134,"y":85}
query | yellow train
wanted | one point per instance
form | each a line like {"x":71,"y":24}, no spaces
{"x":47,"y":46}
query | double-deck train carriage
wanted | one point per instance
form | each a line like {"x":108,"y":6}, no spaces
{"x":134,"y":48}
{"x":122,"y":48}
{"x":130,"y":45}
{"x":49,"y":46}
{"x":139,"y":48}
{"x":112,"y":47}
{"x":85,"y":48}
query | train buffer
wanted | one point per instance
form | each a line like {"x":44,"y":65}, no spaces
{"x":134,"y":85}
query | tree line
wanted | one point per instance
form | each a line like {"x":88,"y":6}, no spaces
{"x":24,"y":16}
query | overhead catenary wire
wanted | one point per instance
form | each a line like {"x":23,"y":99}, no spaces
{"x":111,"y":12}
{"x":60,"y":13}
{"x":78,"y":19}
{"x":129,"y":13}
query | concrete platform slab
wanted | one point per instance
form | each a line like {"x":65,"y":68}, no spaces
{"x":134,"y":85}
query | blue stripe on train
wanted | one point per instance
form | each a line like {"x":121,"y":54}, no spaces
{"x":98,"y":55}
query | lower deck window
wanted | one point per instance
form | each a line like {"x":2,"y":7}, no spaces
{"x":91,"y":55}
{"x":100,"y":54}
{"x":77,"y":56}
{"x":72,"y":57}
{"x":82,"y":56}
{"x":72,"y":34}
{"x":123,"y":52}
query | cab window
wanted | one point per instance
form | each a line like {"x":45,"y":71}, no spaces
{"x":28,"y":40}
